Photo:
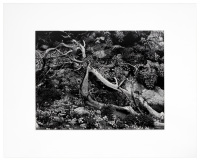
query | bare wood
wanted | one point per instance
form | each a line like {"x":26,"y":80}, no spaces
{"x":116,"y":87}
{"x":84,"y":86}
{"x":74,"y":48}
{"x":102,"y":79}
{"x":98,"y":105}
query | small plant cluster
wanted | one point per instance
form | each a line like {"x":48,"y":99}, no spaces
{"x":64,"y":116}
{"x":119,"y":36}
{"x":147,"y":77}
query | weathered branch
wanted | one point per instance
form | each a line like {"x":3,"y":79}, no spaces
{"x":120,"y":84}
{"x":116,"y":82}
{"x":102,"y":79}
{"x":75,"y":60}
{"x":82,"y":48}
{"x":43,"y":55}
{"x":116,"y":87}
{"x":84,"y":85}
{"x":62,"y":55}
{"x":72,"y":47}
{"x":64,"y":45}
{"x":98,"y":105}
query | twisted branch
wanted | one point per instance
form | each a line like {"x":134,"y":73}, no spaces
{"x":73,"y":50}
{"x":116,"y":87}
{"x":98,"y":105}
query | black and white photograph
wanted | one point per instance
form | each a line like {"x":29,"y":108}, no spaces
{"x":100,"y":80}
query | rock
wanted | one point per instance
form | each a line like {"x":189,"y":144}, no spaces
{"x":83,"y":125}
{"x":155,"y":97}
{"x":81,"y":111}
{"x":44,"y":47}
{"x":67,"y":126}
{"x":100,"y":54}
{"x":58,"y":119}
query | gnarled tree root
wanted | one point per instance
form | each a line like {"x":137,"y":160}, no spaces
{"x":116,"y":87}
{"x":98,"y":105}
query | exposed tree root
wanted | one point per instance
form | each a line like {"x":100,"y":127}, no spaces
{"x":73,"y":49}
{"x":98,"y":105}
{"x":116,"y":87}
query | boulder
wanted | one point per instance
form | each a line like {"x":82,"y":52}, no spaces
{"x":81,"y":111}
{"x":100,"y":54}
{"x":155,"y":98}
